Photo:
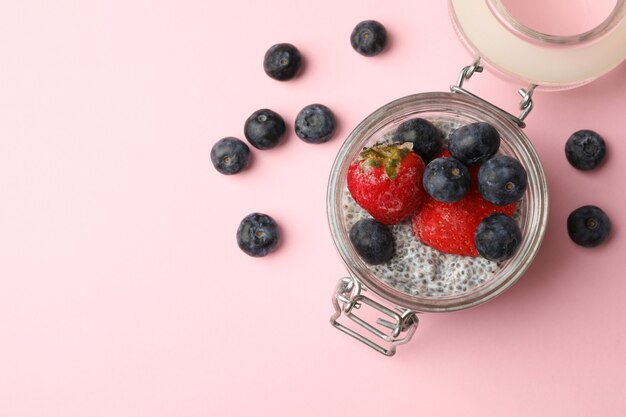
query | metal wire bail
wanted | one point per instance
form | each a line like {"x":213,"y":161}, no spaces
{"x":401,"y":322}
{"x":526,"y":104}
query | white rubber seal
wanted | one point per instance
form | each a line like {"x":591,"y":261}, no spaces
{"x":544,"y":65}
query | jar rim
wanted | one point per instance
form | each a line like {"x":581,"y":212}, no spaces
{"x":535,"y":223}
{"x":502,"y":12}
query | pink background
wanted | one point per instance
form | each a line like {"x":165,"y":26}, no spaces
{"x":122,"y":289}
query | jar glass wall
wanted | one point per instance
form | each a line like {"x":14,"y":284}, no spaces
{"x":457,"y":109}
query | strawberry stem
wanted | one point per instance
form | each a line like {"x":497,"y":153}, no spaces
{"x":388,"y":156}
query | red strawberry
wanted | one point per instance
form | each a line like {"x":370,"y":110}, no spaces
{"x":386,"y":181}
{"x":450,"y":227}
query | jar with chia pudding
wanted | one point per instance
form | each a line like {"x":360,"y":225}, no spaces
{"x":419,"y":278}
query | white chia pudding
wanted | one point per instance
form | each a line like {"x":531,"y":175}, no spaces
{"x":417,"y":269}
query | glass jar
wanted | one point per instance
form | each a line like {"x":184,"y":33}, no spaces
{"x":397,"y":305}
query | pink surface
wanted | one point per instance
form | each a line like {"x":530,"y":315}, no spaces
{"x":122,"y":289}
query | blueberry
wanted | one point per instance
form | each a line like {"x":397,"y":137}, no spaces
{"x":474,"y":143}
{"x":282,"y":61}
{"x":257,"y":234}
{"x":497,"y":237}
{"x":502,"y":180}
{"x":426,"y":138}
{"x":588,"y":226}
{"x":369,"y":38}
{"x":264,"y":129}
{"x":446,"y":179}
{"x":230,"y":155}
{"x":585,"y":149}
{"x":315,"y":124}
{"x":373,"y":241}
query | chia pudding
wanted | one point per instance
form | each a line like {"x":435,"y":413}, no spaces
{"x":418,"y":269}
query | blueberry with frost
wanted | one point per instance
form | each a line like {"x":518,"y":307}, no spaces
{"x":264,"y":129}
{"x":585,"y":149}
{"x":497,"y":238}
{"x":282,"y":61}
{"x":588,"y":226}
{"x":502,"y":180}
{"x":230,"y":155}
{"x":373,"y":241}
{"x":369,"y":38}
{"x":258,"y":234}
{"x":474,"y":143}
{"x":427,"y":140}
{"x":446,"y":180}
{"x":315,"y":124}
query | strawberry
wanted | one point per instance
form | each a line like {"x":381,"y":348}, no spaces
{"x":450,"y":227}
{"x":386,"y":181}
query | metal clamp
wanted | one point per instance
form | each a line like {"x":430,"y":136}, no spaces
{"x":526,"y":105}
{"x":348,"y":298}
